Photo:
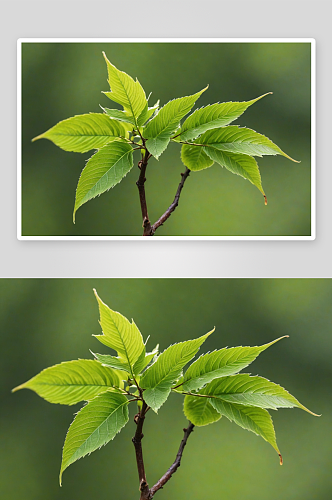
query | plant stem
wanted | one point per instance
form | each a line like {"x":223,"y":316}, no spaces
{"x":137,"y":440}
{"x":141,"y":189}
{"x":148,"y":229}
{"x":172,"y":206}
{"x":176,"y":464}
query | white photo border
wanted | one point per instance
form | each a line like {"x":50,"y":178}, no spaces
{"x":312,"y":42}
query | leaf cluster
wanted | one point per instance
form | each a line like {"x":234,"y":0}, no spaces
{"x":212,"y":386}
{"x":206,"y":136}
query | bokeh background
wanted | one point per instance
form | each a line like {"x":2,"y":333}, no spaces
{"x":46,"y":321}
{"x":60,"y":80}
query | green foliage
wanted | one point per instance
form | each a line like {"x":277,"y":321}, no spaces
{"x":73,"y":381}
{"x":159,"y":377}
{"x":94,"y":426}
{"x":205,"y":135}
{"x":107,"y":167}
{"x":211,"y":386}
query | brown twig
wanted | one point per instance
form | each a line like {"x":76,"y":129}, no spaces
{"x":172,"y":206}
{"x":176,"y":464}
{"x":141,"y":189}
{"x":137,"y":440}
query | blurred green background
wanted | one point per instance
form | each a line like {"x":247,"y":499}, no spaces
{"x":46,"y":321}
{"x":66,"y":79}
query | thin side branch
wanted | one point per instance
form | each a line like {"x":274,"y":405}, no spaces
{"x":176,"y":464}
{"x":173,"y":205}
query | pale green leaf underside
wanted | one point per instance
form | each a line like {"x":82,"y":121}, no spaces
{"x":220,"y":363}
{"x":112,"y":362}
{"x":72,"y":381}
{"x":159,"y":377}
{"x":239,"y":164}
{"x":235,"y":139}
{"x":212,"y":116}
{"x":119,"y":334}
{"x":195,"y":158}
{"x":156,"y":396}
{"x":125,"y":91}
{"x":117,"y":114}
{"x":256,"y":420}
{"x":144,"y":360}
{"x":94,"y":426}
{"x":84,"y":132}
{"x":200,"y":411}
{"x":147,"y":114}
{"x":159,"y":130}
{"x":104,"y":169}
{"x":252,"y":391}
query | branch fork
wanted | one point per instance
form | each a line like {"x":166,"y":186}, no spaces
{"x":148,"y":228}
{"x":147,"y":493}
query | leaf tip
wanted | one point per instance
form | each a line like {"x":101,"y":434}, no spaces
{"x":37,"y":137}
{"x":18,"y":388}
{"x":265,"y":200}
{"x":281,"y":460}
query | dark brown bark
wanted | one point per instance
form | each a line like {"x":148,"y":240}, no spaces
{"x":146,"y":492}
{"x":176,"y":464}
{"x":173,"y":205}
{"x":137,"y":440}
{"x":141,"y":190}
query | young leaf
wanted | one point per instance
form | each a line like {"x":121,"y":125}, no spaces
{"x":104,"y":169}
{"x":195,"y":158}
{"x":117,"y":114}
{"x":212,"y":116}
{"x":159,"y":377}
{"x":125,"y":91}
{"x":160,"y":129}
{"x":252,"y":391}
{"x":200,"y":411}
{"x":72,"y":381}
{"x":119,"y":334}
{"x":112,"y":361}
{"x":253,"y":419}
{"x":235,"y":139}
{"x":84,"y":132}
{"x":147,"y":113}
{"x":220,"y":363}
{"x":94,"y":426}
{"x":144,"y":360}
{"x":243,"y":165}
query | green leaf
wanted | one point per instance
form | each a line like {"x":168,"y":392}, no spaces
{"x":235,"y":139}
{"x":195,"y":158}
{"x":72,"y":381}
{"x":252,"y":391}
{"x":112,"y":361}
{"x":159,"y":377}
{"x":243,"y":165}
{"x":94,"y":426}
{"x":119,"y":334}
{"x":160,"y":129}
{"x":200,"y":411}
{"x":144,"y":360}
{"x":117,"y":114}
{"x":84,"y":132}
{"x":125,"y":91}
{"x":221,"y":363}
{"x":104,"y":169}
{"x":256,"y":420}
{"x":147,"y":113}
{"x":212,"y":116}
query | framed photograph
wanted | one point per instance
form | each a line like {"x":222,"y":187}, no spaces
{"x":170,"y":138}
